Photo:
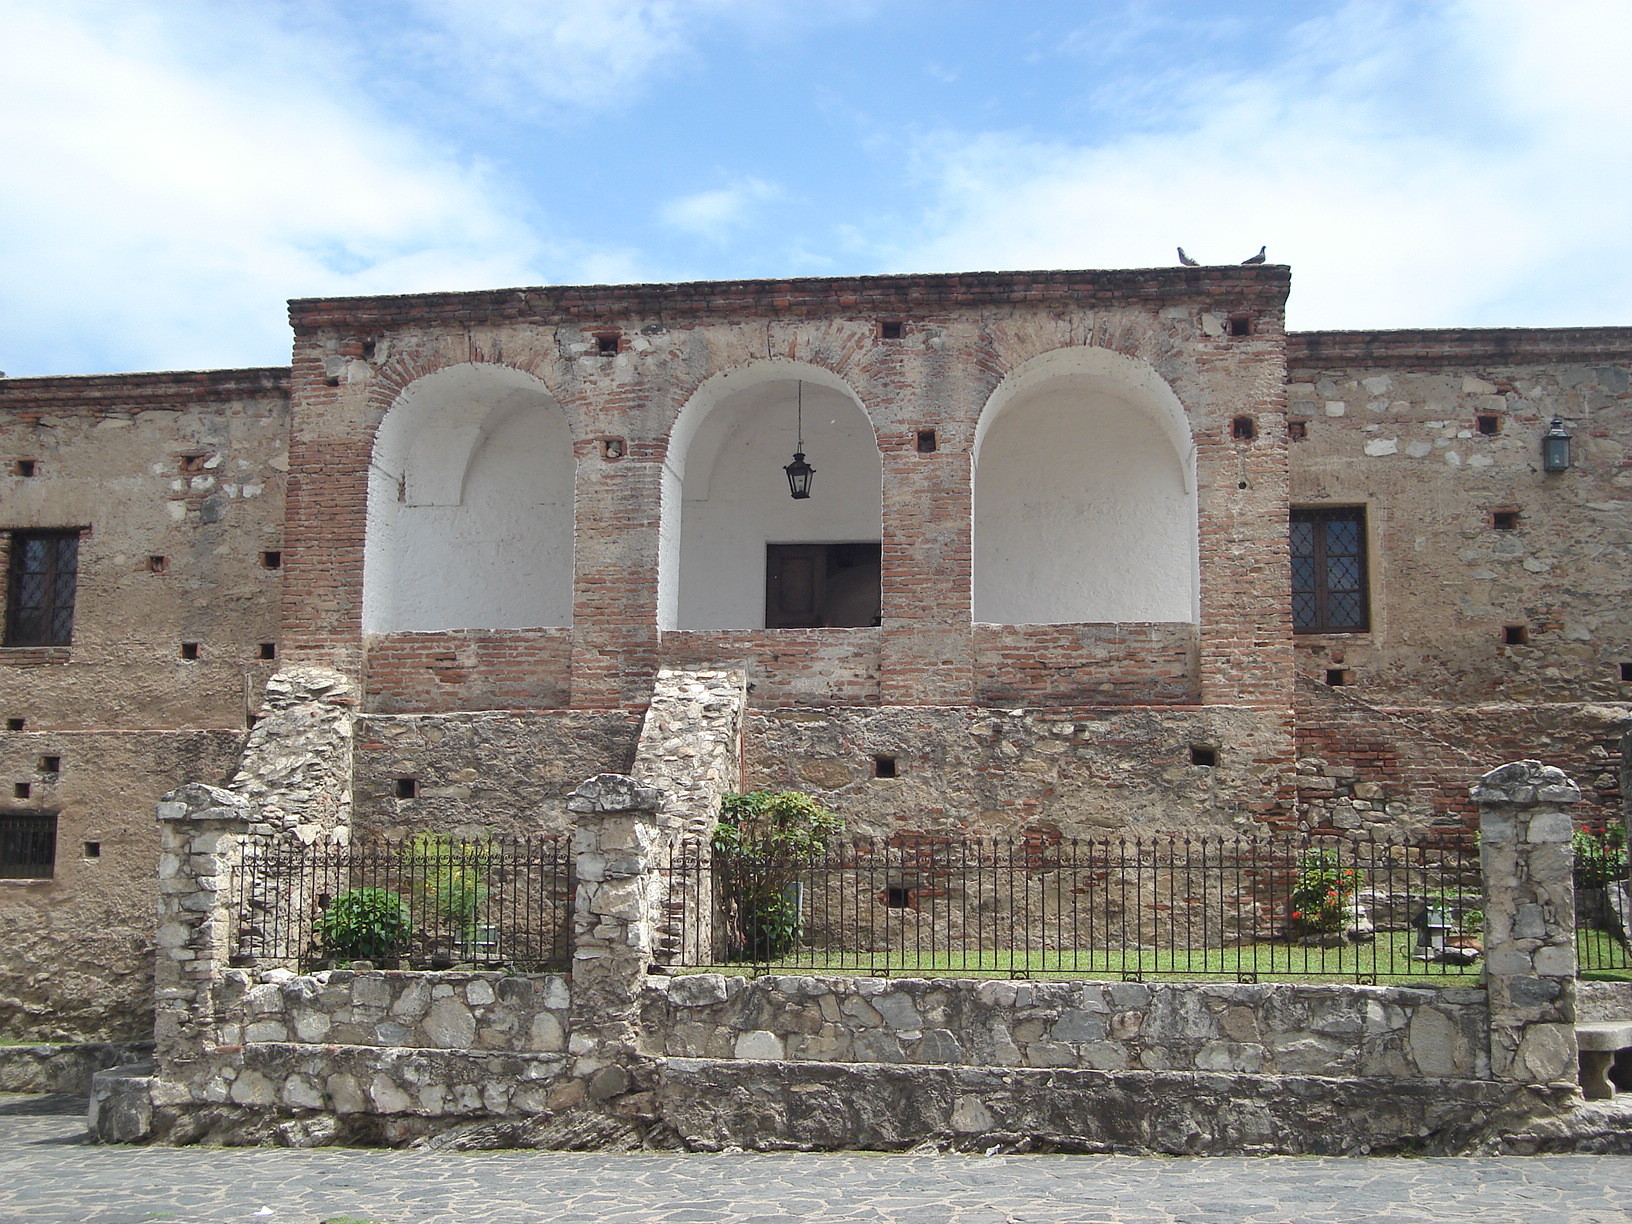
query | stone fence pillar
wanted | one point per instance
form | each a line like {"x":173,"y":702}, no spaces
{"x":615,"y":850}
{"x":200,"y":838}
{"x":1528,"y":863}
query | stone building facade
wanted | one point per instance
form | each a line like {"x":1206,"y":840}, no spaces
{"x":1045,"y":575}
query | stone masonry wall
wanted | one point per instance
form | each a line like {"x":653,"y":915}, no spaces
{"x":1259,"y":1029}
{"x":77,"y":960}
{"x":486,"y":772}
{"x":1084,"y":772}
{"x":1392,"y":423}
{"x":188,"y":468}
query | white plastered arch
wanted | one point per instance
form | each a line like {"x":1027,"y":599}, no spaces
{"x":725,"y":496}
{"x":1085,"y":503}
{"x":470,"y":505}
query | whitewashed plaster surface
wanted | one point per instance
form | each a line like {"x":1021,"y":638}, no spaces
{"x":729,"y":448}
{"x":1085,"y":507}
{"x":470,"y":506}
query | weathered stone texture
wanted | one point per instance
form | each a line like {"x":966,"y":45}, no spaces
{"x":109,"y":456}
{"x":442,"y":1011}
{"x":77,"y":963}
{"x":1400,"y":436}
{"x":1525,"y":856}
{"x":719,"y":1104}
{"x":484,"y":773}
{"x":1259,"y":1029}
{"x":993,"y":772}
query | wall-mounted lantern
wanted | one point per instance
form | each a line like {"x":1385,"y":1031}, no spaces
{"x":799,"y":472}
{"x":1555,"y":448}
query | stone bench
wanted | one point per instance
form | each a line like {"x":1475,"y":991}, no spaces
{"x":1599,"y":1042}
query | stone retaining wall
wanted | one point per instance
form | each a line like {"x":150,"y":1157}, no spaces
{"x":429,"y":1011}
{"x":52,"y":1067}
{"x":1256,"y":1028}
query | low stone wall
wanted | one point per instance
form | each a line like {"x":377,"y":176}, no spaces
{"x":426,"y":1011}
{"x":1258,"y":1028}
{"x":1143,"y":663}
{"x":468,"y":669}
{"x":65,"y":1067}
{"x":713,"y":1105}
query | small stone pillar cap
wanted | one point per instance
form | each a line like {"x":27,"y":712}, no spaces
{"x":610,"y":792}
{"x":1525,"y":784}
{"x":196,"y":801}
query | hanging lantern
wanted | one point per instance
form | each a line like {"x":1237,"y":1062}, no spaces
{"x":1555,"y":448}
{"x":799,"y":472}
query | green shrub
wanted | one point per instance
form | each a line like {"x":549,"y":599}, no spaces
{"x":759,"y":845}
{"x":364,"y":924}
{"x":451,"y":875}
{"x":1600,"y":858}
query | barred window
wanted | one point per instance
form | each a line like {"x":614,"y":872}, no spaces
{"x":28,"y":846}
{"x":40,"y":593}
{"x":1329,"y":570}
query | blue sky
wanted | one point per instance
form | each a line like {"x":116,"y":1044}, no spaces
{"x":175,"y":169}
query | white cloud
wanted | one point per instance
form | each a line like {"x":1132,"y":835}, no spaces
{"x":175,"y":174}
{"x":714,"y":214}
{"x":521,"y":53}
{"x":1471,"y":166}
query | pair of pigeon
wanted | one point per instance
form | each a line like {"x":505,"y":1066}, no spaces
{"x":1191,"y":263}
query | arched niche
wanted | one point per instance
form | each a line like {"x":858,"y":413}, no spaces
{"x":726,"y":498}
{"x":1085,"y":495}
{"x":470,"y":506}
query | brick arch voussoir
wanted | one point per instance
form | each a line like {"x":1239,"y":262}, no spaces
{"x":683,"y":391}
{"x":402,"y":370}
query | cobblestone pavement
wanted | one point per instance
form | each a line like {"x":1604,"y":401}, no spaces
{"x":48,"y":1175}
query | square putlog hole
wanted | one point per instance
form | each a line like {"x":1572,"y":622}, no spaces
{"x":1504,"y":520}
{"x":272,"y":559}
{"x":884,"y":767}
{"x":51,"y":765}
{"x":93,"y":849}
{"x":1201,"y":754}
{"x":190,"y":651}
{"x":1336,"y":676}
{"x":25,"y":467}
{"x":926,"y":442}
{"x":1489,"y":424}
{"x":267,"y":650}
{"x":16,"y":724}
{"x":891,"y":329}
{"x":407,"y":788}
{"x":1515,"y":635}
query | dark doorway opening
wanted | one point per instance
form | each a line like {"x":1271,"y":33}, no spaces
{"x":822,"y":586}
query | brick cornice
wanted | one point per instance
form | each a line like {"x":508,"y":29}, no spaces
{"x":136,"y":392}
{"x":1263,"y":287}
{"x":1431,"y":348}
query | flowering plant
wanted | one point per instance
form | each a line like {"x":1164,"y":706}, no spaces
{"x":1323,"y":897}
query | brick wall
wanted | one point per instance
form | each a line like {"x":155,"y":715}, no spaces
{"x":1055,"y":665}
{"x":467,"y":669}
{"x":787,"y":666}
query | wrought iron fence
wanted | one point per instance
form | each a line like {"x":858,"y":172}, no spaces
{"x":1601,"y":928}
{"x":1347,"y":908}
{"x":427,"y":901}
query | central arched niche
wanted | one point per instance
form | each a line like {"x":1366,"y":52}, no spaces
{"x":726,"y":498}
{"x":470,"y":506}
{"x":1085,"y":495}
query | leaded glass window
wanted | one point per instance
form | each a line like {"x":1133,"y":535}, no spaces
{"x":40,"y":595}
{"x":1329,"y":570}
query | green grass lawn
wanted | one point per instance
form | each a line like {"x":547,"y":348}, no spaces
{"x":1386,"y":961}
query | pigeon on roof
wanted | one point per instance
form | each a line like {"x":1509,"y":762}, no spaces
{"x":1186,"y":260}
{"x":1258,"y":258}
